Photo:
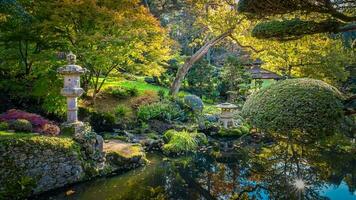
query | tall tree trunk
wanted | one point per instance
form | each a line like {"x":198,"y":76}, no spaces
{"x":182,"y":71}
{"x":98,"y":85}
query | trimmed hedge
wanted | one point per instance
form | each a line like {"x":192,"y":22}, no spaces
{"x":306,"y":105}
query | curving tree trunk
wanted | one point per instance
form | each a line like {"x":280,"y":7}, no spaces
{"x":182,"y":71}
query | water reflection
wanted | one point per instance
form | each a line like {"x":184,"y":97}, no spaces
{"x":284,"y":170}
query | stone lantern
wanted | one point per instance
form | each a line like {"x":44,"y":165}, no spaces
{"x":72,"y":89}
{"x":227,"y":114}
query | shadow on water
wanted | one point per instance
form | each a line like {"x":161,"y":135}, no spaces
{"x":279,"y":171}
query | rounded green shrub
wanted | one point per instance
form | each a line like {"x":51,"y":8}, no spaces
{"x":102,"y":121}
{"x":21,"y":125}
{"x":305,"y":105}
{"x":4,"y":126}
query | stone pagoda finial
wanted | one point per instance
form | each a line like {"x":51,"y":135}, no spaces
{"x":71,"y":58}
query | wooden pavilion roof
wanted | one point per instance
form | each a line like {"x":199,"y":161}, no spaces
{"x":258,"y":73}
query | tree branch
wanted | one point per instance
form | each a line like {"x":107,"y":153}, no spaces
{"x":245,"y":46}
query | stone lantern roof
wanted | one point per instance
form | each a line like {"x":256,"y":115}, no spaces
{"x":227,"y":106}
{"x":71,"y":68}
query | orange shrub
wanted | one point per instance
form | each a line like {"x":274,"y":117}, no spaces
{"x":148,"y":97}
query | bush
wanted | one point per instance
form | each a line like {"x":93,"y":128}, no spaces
{"x":166,"y":111}
{"x":122,"y":93}
{"x":51,"y":129}
{"x":4,"y":126}
{"x":306,"y":105}
{"x":148,"y":97}
{"x":21,"y":125}
{"x":133,"y":92}
{"x":102,"y":121}
{"x":119,"y":92}
{"x":84,"y":113}
{"x":161,"y":94}
{"x":183,"y":141}
{"x":13,"y":114}
{"x":234,"y":132}
{"x":121,"y":111}
{"x":194,"y":103}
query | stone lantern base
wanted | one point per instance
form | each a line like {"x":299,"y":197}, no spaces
{"x":71,"y":128}
{"x":227,"y":122}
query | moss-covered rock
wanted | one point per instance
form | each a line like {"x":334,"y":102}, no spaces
{"x":307,"y":105}
{"x":123,"y":155}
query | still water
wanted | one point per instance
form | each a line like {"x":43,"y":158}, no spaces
{"x":279,"y":171}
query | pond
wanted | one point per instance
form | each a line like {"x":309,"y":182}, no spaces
{"x":278,"y":171}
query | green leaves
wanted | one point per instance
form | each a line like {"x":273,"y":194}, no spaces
{"x":292,"y":29}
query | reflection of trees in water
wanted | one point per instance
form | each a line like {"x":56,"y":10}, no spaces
{"x":284,"y":170}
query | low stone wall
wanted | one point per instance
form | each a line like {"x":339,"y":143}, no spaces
{"x":33,"y":164}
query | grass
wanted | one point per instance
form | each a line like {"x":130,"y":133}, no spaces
{"x":108,"y":104}
{"x":9,"y":135}
{"x":139,"y":84}
{"x":48,"y":141}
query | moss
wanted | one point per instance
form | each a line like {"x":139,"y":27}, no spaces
{"x":122,"y":154}
{"x":128,"y":152}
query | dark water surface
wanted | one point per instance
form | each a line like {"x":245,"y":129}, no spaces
{"x":280,"y":171}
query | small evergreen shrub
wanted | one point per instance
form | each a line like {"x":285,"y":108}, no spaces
{"x":84,"y":113}
{"x":119,"y":93}
{"x":133,"y":92}
{"x":307,"y":105}
{"x":162,"y":95}
{"x":121,"y":111}
{"x":148,"y":97}
{"x":4,"y":126}
{"x":166,"y":111}
{"x":102,"y":121}
{"x":123,"y":93}
{"x":21,"y":125}
{"x":183,"y":141}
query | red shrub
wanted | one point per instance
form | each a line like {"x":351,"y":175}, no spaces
{"x":148,"y":97}
{"x":39,"y":123}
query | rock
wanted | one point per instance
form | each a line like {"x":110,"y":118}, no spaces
{"x":159,"y":126}
{"x":70,"y":192}
{"x":123,"y":155}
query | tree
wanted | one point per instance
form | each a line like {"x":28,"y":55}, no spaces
{"x":27,"y":59}
{"x":109,"y":37}
{"x":122,"y":36}
{"x":236,"y":79}
{"x":331,"y":17}
{"x":217,"y":21}
{"x":203,"y":80}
